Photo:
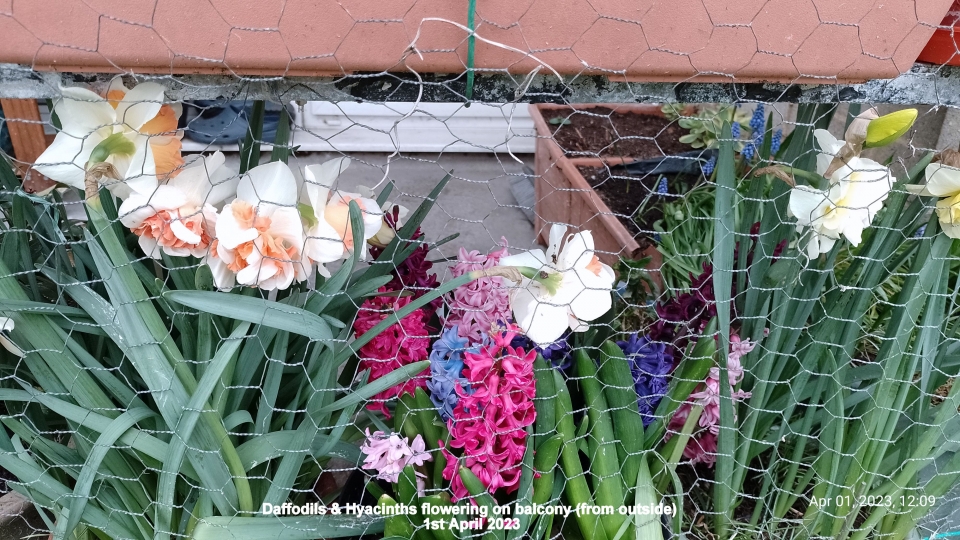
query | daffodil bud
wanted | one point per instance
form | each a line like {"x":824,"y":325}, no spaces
{"x":383,"y":237}
{"x":889,"y":127}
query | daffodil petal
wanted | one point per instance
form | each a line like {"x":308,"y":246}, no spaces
{"x":578,"y":252}
{"x":64,"y":159}
{"x":150,"y":246}
{"x":138,"y":206}
{"x":535,"y":259}
{"x":140,"y":105}
{"x":540,"y":321}
{"x":81,"y":112}
{"x":805,"y":204}
{"x":183,"y":233}
{"x":271,"y":183}
{"x":942,"y":181}
{"x":223,"y":278}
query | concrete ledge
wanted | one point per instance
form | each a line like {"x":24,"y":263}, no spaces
{"x":19,"y":518}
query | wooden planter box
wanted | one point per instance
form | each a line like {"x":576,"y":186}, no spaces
{"x":564,"y":196}
{"x":797,"y":41}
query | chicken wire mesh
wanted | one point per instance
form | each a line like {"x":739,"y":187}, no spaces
{"x":203,"y":346}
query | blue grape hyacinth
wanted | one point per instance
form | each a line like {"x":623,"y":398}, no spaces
{"x":446,"y":371}
{"x":662,"y":186}
{"x":757,"y":121}
{"x":708,"y":166}
{"x":748,"y":151}
{"x":650,"y":363}
{"x":775,"y":142}
{"x":735,"y":130}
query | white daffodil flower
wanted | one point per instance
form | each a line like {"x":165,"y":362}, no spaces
{"x":323,"y":243}
{"x":336,"y":211}
{"x":567,"y":288}
{"x":853,"y":198}
{"x":259,"y":236}
{"x":943,"y":181}
{"x":131,"y":129}
{"x":179,"y":216}
{"x":6,"y":325}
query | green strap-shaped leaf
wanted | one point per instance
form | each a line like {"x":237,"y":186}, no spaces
{"x":371,"y":389}
{"x":723,"y":247}
{"x":286,"y":528}
{"x":184,"y":431}
{"x":257,"y":311}
{"x":88,"y":473}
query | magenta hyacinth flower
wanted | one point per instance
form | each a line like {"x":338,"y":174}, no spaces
{"x":489,"y":423}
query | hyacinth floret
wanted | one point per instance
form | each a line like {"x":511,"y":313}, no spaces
{"x":557,"y":354}
{"x":476,"y":307}
{"x":702,"y":446}
{"x":489,"y":424}
{"x":650,"y":363}
{"x":400,"y":344}
{"x":388,"y":454}
{"x":446,"y":371}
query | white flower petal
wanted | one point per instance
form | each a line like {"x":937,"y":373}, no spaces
{"x":138,"y":207}
{"x":223,"y":278}
{"x":272,"y":183}
{"x":229,"y":232}
{"x":140,"y":105}
{"x":578,"y":252}
{"x":535,"y":259}
{"x":64,"y":159}
{"x":183,"y":233}
{"x":942,"y":180}
{"x":806,"y":204}
{"x":542,"y":322}
{"x":557,"y":231}
{"x":149,"y":246}
{"x":81,"y":112}
{"x":6,"y":324}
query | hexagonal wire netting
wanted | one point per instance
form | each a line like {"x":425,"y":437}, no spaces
{"x":729,"y":308}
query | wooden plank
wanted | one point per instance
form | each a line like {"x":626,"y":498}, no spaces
{"x":29,"y":141}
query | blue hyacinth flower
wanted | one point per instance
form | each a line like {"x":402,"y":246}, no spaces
{"x":446,"y":371}
{"x":735,"y":129}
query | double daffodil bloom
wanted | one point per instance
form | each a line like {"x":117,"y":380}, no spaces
{"x":130,"y":128}
{"x":179,"y":216}
{"x":568,"y":287}
{"x":259,"y":236}
{"x":855,"y":194}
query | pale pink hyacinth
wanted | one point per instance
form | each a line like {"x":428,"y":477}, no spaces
{"x":702,"y":447}
{"x":388,"y":454}
{"x":476,"y":306}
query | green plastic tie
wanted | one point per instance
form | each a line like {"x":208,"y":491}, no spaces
{"x":471,"y":45}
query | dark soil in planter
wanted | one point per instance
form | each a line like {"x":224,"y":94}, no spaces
{"x":624,"y":195}
{"x":602,"y":132}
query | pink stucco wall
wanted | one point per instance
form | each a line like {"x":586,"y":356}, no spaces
{"x":751,"y":40}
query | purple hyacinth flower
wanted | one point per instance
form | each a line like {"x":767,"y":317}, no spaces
{"x":650,"y":363}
